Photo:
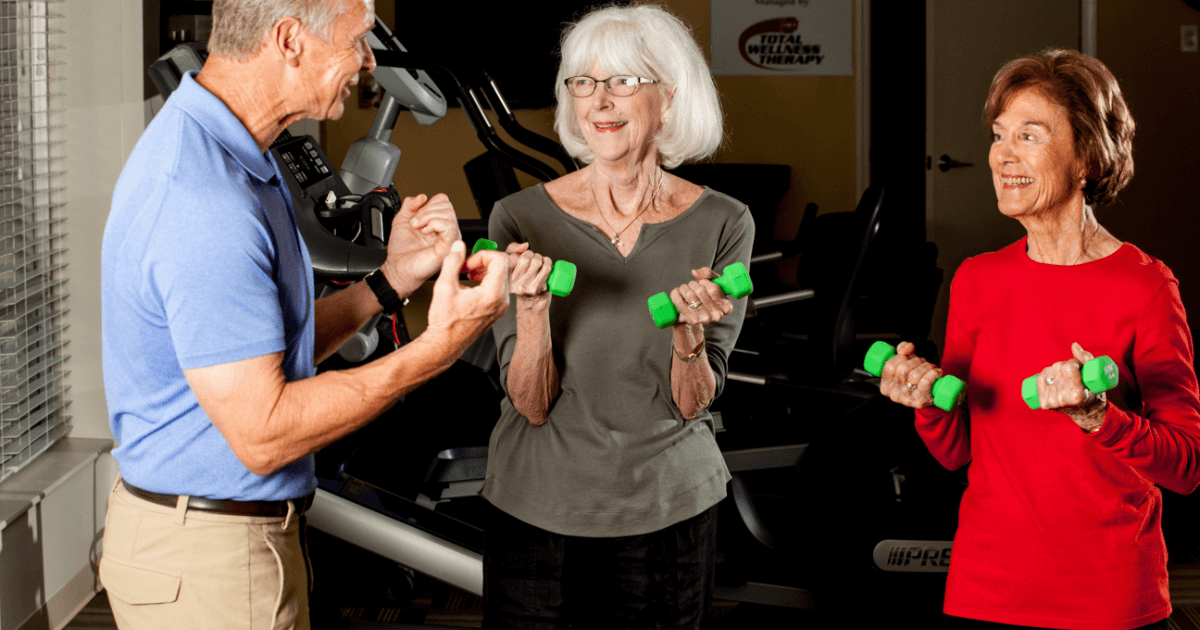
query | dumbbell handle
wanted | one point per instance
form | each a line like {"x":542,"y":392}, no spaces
{"x":947,"y":390}
{"x":562,"y":276}
{"x":734,"y":281}
{"x":1098,"y":375}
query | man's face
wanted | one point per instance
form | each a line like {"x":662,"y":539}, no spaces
{"x":334,"y":65}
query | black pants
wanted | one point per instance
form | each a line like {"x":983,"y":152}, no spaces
{"x":959,"y":623}
{"x":537,"y":580}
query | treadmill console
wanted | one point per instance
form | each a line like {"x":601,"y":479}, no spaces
{"x":305,"y":161}
{"x":328,"y":214}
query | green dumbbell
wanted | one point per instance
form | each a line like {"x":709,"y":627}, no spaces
{"x":1099,"y":375}
{"x":947,"y":391}
{"x":562,"y":275}
{"x":483,"y":243}
{"x":734,"y":281}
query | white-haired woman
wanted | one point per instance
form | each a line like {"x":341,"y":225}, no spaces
{"x":603,"y":467}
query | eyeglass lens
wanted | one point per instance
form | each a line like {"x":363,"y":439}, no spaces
{"x":618,"y":85}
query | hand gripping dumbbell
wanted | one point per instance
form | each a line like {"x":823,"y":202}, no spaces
{"x":1099,"y":375}
{"x":562,"y":274}
{"x":734,"y":281}
{"x":947,"y":391}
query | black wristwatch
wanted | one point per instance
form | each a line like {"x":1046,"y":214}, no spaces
{"x":383,"y":291}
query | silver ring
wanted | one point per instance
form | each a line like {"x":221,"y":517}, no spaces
{"x":1049,"y":380}
{"x":911,"y":387}
{"x":694,"y":303}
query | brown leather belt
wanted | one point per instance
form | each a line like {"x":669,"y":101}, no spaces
{"x":224,"y":506}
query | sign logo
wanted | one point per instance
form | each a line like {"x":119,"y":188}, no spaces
{"x":913,"y":556}
{"x":774,"y":45}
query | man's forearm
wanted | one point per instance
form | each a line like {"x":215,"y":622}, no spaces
{"x":291,"y":420}
{"x":340,"y":315}
{"x":269,"y":422}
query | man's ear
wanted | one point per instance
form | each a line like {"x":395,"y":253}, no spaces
{"x":287,"y":40}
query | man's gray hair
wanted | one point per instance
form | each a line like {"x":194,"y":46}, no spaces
{"x":239,"y":25}
{"x":648,"y":42}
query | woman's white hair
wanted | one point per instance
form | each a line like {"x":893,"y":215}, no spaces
{"x":238,"y":25}
{"x":648,"y":42}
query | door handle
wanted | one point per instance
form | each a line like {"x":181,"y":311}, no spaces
{"x":946,"y":163}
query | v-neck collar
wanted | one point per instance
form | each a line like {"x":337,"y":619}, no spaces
{"x":644,"y":230}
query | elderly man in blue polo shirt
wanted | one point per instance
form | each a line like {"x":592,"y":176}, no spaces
{"x":211,"y":331}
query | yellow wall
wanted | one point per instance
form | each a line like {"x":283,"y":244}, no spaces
{"x":804,"y":122}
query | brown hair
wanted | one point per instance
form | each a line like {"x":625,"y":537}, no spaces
{"x":1100,"y":119}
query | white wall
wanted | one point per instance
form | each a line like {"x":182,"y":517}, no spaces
{"x":104,"y":117}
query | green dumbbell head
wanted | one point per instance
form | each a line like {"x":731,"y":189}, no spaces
{"x":877,"y":355}
{"x":662,"y":310}
{"x":1029,"y":392}
{"x":562,"y":278}
{"x":480,"y":244}
{"x":1098,"y":375}
{"x":562,"y":275}
{"x":947,"y":391}
{"x":483,"y":243}
{"x":734,"y":282}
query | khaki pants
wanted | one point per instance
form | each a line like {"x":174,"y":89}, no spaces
{"x":180,"y":568}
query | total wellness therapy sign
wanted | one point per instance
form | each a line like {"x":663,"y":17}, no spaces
{"x":782,"y":37}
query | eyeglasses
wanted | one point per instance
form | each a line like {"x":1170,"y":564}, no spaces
{"x":619,"y":85}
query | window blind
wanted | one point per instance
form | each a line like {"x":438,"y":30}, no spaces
{"x":33,"y":288}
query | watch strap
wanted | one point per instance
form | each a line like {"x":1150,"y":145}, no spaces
{"x":383,"y":291}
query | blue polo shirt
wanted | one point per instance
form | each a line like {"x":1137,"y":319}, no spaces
{"x":202,"y":264}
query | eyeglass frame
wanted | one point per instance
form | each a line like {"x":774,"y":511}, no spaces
{"x":607,"y":87}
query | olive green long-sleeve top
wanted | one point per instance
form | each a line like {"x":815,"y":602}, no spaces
{"x":615,"y":456}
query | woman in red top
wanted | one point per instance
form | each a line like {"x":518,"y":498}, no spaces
{"x":1060,"y":524}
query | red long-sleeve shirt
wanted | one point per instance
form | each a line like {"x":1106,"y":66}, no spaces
{"x":1059,"y":528}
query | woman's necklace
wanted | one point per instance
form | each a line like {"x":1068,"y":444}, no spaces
{"x":616,"y":237}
